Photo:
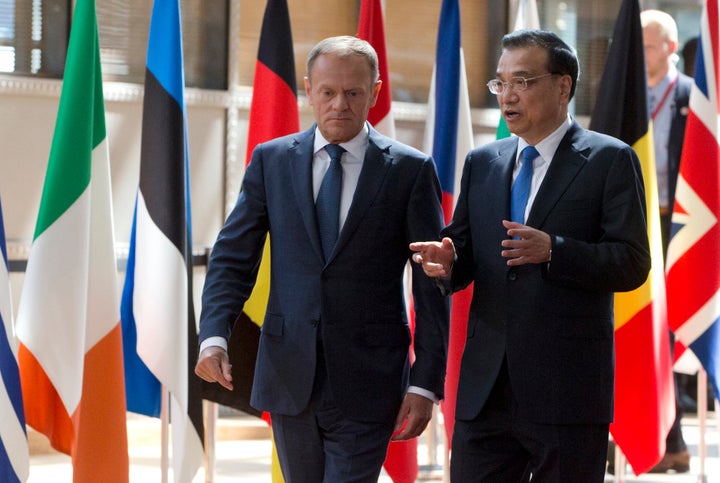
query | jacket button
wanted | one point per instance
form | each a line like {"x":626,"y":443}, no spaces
{"x":512,"y":276}
{"x":314,"y":323}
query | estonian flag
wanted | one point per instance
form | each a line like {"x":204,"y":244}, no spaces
{"x":159,"y":332}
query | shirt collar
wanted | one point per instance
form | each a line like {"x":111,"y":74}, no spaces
{"x":547,"y":147}
{"x":672,"y":73}
{"x":356,"y":146}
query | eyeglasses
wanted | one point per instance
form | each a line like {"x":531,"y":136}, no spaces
{"x":517,"y":84}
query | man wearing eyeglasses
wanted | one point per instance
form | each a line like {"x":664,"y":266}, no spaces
{"x":548,"y":225}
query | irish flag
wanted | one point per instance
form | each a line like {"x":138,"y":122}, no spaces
{"x":68,"y":321}
{"x":526,"y":18}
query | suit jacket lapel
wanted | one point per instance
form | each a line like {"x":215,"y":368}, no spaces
{"x":300,"y":156}
{"x":570,"y":157}
{"x":502,"y":168}
{"x":376,"y":163}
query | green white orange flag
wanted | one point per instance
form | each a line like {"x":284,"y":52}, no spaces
{"x":68,"y":321}
{"x":526,"y":18}
{"x":644,"y":391}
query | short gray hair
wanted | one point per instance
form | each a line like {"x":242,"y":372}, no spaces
{"x":664,"y":21}
{"x":345,"y":46}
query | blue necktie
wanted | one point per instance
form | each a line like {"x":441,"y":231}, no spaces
{"x":520,"y":191}
{"x":327,"y":205}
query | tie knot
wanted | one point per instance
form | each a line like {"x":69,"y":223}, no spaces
{"x":529,"y":153}
{"x":335,"y":151}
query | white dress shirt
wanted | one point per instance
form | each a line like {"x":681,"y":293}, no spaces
{"x":546,"y":148}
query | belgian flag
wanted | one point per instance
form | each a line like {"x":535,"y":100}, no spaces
{"x":644,"y":391}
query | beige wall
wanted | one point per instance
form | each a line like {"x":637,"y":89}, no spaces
{"x":410,"y":31}
{"x":26,"y":129}
{"x":29,"y":109}
{"x":217,"y":121}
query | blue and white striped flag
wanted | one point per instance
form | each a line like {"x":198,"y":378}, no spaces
{"x":14,"y":458}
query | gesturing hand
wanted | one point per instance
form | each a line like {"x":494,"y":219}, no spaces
{"x":436,"y":258}
{"x":527,"y":245}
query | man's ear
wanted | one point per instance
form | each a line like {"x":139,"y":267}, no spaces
{"x":376,"y":92}
{"x":565,"y":85}
{"x":306,"y":81}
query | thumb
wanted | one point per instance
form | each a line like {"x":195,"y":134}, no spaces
{"x":401,"y":416}
{"x":226,"y":369}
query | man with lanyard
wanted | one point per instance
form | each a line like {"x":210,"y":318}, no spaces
{"x":668,"y":98}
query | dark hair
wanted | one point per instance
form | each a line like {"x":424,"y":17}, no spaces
{"x":689,"y":52}
{"x":561,"y":57}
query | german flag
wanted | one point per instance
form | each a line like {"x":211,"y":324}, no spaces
{"x":273,"y":113}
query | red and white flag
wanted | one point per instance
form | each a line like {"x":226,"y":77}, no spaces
{"x":371,"y":28}
{"x":401,"y":462}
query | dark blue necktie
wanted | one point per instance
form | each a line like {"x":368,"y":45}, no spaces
{"x":327,"y":205}
{"x":520,"y":191}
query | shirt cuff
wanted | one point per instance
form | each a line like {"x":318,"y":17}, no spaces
{"x":424,"y":393}
{"x":214,"y":341}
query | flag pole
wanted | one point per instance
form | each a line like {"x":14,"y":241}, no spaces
{"x":716,"y":410}
{"x":619,"y":465}
{"x":432,"y":441}
{"x":432,"y":437}
{"x":164,"y":440}
{"x":702,"y":422}
{"x":211,"y":413}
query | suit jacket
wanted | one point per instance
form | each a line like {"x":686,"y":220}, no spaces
{"x":553,"y":322}
{"x":677,"y":131}
{"x":355,"y":302}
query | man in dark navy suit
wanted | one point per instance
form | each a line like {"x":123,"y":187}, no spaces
{"x":333,"y":365}
{"x":548,"y":225}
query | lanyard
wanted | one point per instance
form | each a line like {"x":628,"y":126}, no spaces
{"x":664,"y":98}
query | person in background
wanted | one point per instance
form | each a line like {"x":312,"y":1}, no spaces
{"x":689,"y":53}
{"x":668,"y":99}
{"x":548,"y":225}
{"x":333,"y":363}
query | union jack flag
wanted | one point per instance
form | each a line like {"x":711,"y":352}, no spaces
{"x":693,"y":260}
